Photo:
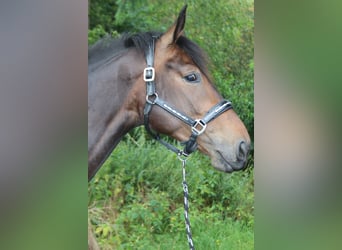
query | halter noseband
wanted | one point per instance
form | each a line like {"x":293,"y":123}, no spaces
{"x":198,"y":126}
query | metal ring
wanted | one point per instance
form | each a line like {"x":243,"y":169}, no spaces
{"x":182,"y":156}
{"x":155,"y":95}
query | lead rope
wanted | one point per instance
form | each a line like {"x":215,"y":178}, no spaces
{"x":182,"y":158}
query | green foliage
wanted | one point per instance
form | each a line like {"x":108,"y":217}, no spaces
{"x":136,"y":199}
{"x":101,"y":17}
{"x":95,"y":34}
{"x":102,"y":13}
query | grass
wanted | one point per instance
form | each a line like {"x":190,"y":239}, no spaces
{"x":136,"y":201}
{"x":208,"y":233}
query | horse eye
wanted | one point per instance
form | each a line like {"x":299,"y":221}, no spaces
{"x":192,"y":78}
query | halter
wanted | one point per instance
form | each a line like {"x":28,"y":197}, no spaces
{"x":198,"y":126}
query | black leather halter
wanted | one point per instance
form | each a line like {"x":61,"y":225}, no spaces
{"x":198,"y":126}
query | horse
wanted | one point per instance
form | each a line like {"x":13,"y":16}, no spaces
{"x":160,"y":80}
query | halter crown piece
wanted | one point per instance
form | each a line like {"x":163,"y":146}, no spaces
{"x":198,"y":126}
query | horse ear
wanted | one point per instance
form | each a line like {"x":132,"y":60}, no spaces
{"x":176,"y":30}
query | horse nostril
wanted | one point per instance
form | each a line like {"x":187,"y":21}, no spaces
{"x":242,"y":151}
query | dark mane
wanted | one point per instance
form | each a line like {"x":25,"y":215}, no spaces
{"x":109,"y":47}
{"x":104,"y":49}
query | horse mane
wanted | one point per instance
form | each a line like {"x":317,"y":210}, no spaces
{"x":109,"y":47}
{"x":104,"y":49}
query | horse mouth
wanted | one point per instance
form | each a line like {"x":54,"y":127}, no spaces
{"x":221,"y":163}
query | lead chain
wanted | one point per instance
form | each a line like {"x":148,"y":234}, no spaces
{"x":186,"y":208}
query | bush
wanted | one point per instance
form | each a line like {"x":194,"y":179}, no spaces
{"x":137,"y":196}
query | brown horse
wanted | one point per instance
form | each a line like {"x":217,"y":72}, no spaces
{"x":174,"y":70}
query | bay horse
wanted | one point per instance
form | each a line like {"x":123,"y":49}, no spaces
{"x":160,"y":80}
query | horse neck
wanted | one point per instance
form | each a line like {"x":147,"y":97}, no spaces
{"x":114,"y":105}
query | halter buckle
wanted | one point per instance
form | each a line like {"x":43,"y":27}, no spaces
{"x":199,"y":126}
{"x":149,"y":74}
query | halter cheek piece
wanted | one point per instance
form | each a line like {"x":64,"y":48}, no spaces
{"x":198,"y":126}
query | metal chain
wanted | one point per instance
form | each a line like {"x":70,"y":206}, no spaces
{"x":186,"y":205}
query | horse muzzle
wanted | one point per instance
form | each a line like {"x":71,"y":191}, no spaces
{"x":229,"y":163}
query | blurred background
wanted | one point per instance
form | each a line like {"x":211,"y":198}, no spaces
{"x":297,"y":116}
{"x":43,"y":124}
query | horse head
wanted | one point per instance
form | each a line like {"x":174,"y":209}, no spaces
{"x":182,"y":80}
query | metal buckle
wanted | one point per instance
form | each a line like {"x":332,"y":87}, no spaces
{"x":149,"y":74}
{"x":199,"y":123}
